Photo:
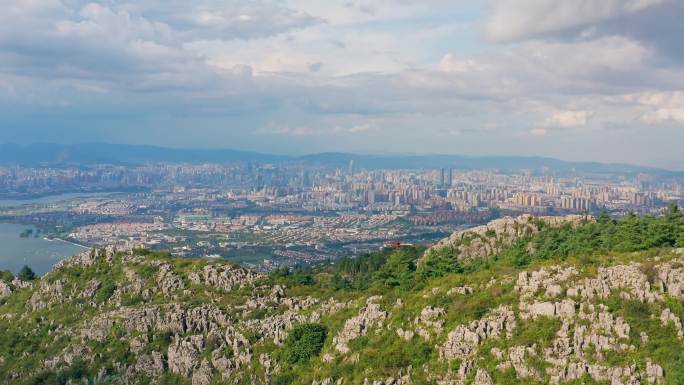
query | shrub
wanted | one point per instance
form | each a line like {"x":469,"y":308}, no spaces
{"x":676,"y":374}
{"x":6,"y":276}
{"x":304,"y":342}
{"x":106,"y":291}
{"x":284,"y":379}
{"x":517,"y":253}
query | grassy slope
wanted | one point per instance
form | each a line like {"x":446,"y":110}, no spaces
{"x":30,"y":337}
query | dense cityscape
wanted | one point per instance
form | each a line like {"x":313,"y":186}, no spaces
{"x":267,"y":215}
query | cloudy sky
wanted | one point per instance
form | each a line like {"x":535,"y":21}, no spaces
{"x":574,"y":79}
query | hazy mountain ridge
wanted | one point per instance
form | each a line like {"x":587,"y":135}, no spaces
{"x":131,"y":318}
{"x":100,"y":153}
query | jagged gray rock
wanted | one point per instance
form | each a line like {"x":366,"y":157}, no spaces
{"x":463,"y":290}
{"x":667,"y":317}
{"x":482,"y":378}
{"x":167,"y":280}
{"x":462,"y":342}
{"x":91,"y":288}
{"x":357,"y":326}
{"x":150,"y":365}
{"x":621,"y":277}
{"x":5,"y":289}
{"x":203,"y":375}
{"x":223,"y":276}
{"x":184,"y":353}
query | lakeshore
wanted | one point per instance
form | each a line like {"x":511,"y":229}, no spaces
{"x":39,"y":254}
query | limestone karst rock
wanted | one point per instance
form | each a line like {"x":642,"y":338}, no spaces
{"x":207,"y":322}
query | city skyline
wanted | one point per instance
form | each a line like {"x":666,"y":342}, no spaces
{"x":270,"y":215}
{"x":588,"y":80}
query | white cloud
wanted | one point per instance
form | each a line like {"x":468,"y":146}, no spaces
{"x":566,"y":119}
{"x":450,"y":63}
{"x":406,"y":69}
{"x":660,"y":107}
{"x":310,"y":131}
{"x":292,"y":131}
{"x":538,"y":131}
{"x":359,"y":128}
{"x":524,"y":19}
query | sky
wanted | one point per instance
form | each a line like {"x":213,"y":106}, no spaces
{"x":599,"y":80}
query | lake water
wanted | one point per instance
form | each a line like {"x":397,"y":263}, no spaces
{"x":48,"y":199}
{"x":39,"y":254}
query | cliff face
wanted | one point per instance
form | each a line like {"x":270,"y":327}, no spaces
{"x":125,"y":318}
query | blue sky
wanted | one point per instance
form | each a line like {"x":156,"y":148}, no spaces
{"x":581,"y":80}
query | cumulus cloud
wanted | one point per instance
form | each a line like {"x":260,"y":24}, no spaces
{"x":524,"y":19}
{"x":231,"y":19}
{"x":124,"y":46}
{"x":567,"y":119}
{"x":414,"y":71}
{"x":450,"y":63}
{"x":661,"y":107}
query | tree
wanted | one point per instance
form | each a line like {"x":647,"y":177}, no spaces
{"x":439,"y":263}
{"x":26,"y":274}
{"x":398,"y":270}
{"x":603,"y":218}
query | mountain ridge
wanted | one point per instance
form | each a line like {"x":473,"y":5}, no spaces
{"x":103,"y":153}
{"x":534,"y":312}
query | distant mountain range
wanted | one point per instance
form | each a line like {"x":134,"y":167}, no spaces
{"x":100,"y":153}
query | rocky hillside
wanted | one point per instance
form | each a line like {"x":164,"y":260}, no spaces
{"x":589,"y":302}
{"x":487,"y":240}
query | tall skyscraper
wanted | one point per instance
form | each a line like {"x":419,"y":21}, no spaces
{"x":450,"y":180}
{"x":351,"y":167}
{"x":441,"y":178}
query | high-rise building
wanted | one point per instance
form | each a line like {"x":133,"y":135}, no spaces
{"x":450,"y":180}
{"x":441,"y":178}
{"x":351,"y":167}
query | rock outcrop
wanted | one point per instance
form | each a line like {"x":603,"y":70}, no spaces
{"x":369,"y":316}
{"x":484,"y":241}
{"x":463,"y":341}
{"x":206,"y":323}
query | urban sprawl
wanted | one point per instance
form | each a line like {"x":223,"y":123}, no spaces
{"x":270,"y":215}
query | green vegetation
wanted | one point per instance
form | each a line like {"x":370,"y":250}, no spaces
{"x":26,"y":274}
{"x":6,"y":276}
{"x":105,"y":292}
{"x":388,"y":268}
{"x":297,"y":276}
{"x":399,"y":269}
{"x":439,"y":263}
{"x":631,"y":233}
{"x":676,"y":377}
{"x":304,"y":342}
{"x":406,"y":281}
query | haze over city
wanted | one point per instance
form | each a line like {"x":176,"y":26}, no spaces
{"x":576,"y":80}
